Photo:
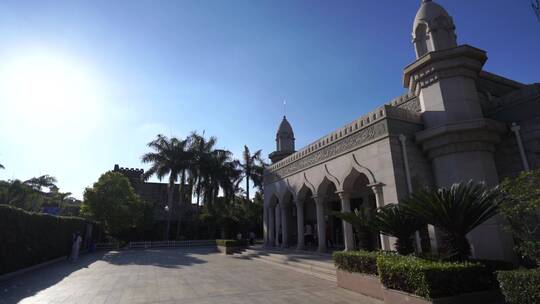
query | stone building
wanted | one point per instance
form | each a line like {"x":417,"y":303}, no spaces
{"x":154,"y":193}
{"x":456,"y":122}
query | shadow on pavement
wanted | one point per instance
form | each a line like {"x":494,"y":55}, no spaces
{"x":168,"y":258}
{"x":28,"y":284}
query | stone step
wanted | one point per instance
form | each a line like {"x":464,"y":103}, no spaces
{"x":319,"y":266}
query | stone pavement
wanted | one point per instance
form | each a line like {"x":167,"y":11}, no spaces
{"x":171,"y":276}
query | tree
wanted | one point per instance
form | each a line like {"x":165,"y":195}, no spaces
{"x":220,"y":172}
{"x":20,"y":195}
{"x":44,"y":181}
{"x":252,"y":168}
{"x":521,"y":209}
{"x":202,"y":154}
{"x":168,"y":158}
{"x":113,"y":202}
{"x":456,"y":211}
{"x":391,"y":220}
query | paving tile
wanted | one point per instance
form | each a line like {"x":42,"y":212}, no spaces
{"x":191,"y":276}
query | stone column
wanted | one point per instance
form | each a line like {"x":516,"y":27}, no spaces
{"x":284,"y":226}
{"x":278,"y":223}
{"x":271,"y":226}
{"x":265,"y":225}
{"x":347,"y":227}
{"x":321,"y":224}
{"x":379,"y":200}
{"x":300,"y":224}
{"x":516,"y":128}
{"x":403,"y":140}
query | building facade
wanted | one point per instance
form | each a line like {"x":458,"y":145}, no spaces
{"x":154,"y":193}
{"x":456,"y":122}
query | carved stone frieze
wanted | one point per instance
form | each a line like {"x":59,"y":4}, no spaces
{"x":348,"y":143}
{"x":412,"y":105}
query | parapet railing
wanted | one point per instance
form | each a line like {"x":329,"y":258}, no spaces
{"x":173,"y":244}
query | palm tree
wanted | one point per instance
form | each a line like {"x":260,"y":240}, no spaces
{"x":391,"y":220}
{"x":252,"y":168}
{"x":456,"y":212}
{"x":44,"y":181}
{"x":167,"y":159}
{"x":202,"y":154}
{"x":223,"y":174}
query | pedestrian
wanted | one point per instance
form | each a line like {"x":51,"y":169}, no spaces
{"x":76,"y":246}
{"x":252,"y":238}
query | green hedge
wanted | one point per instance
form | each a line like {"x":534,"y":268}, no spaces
{"x":231,"y":243}
{"x":520,"y":286}
{"x":434,"y":279}
{"x":357,"y":261}
{"x":31,"y":238}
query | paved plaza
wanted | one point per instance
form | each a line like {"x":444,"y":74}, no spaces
{"x":171,"y":276}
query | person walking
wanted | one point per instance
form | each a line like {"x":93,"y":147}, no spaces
{"x":252,"y":238}
{"x":76,"y":246}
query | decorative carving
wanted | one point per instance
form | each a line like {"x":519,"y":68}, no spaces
{"x":347,"y":143}
{"x":412,"y":105}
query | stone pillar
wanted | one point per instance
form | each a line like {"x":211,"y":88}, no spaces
{"x":516,"y":128}
{"x":300,"y":224}
{"x":278,"y":223}
{"x":265,"y":225}
{"x":403,"y":140}
{"x":379,"y":199}
{"x":347,"y":227}
{"x":457,"y":139}
{"x":321,"y":223}
{"x":284,"y":226}
{"x":271,"y":226}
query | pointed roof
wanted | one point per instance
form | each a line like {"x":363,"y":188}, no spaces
{"x":428,"y":11}
{"x":285,"y":127}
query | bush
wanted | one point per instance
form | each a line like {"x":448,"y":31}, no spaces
{"x":31,"y":238}
{"x":231,"y":243}
{"x":357,"y":261}
{"x":520,"y":286}
{"x":434,"y":279}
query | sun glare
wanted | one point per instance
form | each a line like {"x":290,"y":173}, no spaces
{"x":48,"y":91}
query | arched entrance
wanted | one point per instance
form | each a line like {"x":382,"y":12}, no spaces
{"x":306,"y":219}
{"x":362,"y":200}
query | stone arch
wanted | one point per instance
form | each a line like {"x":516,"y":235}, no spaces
{"x":305,"y":192}
{"x":326,"y":183}
{"x":288,"y":196}
{"x":274,"y":201}
{"x":421,"y":38}
{"x":356,"y":170}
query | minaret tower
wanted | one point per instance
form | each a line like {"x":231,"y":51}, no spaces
{"x":458,"y":140}
{"x":284,"y":141}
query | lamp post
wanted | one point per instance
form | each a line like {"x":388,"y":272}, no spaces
{"x":168,"y":222}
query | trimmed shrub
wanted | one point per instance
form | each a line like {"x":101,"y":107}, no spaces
{"x":434,"y":279}
{"x":231,"y":243}
{"x":357,"y":261}
{"x":31,"y":238}
{"x":520,"y":286}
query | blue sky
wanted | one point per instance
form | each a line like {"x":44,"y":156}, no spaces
{"x":124,"y":71}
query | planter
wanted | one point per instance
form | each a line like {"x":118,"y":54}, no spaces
{"x":392,"y":296}
{"x":229,"y":249}
{"x":365,"y":284}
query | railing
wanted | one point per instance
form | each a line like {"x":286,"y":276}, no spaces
{"x":107,"y":246}
{"x":173,"y":244}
